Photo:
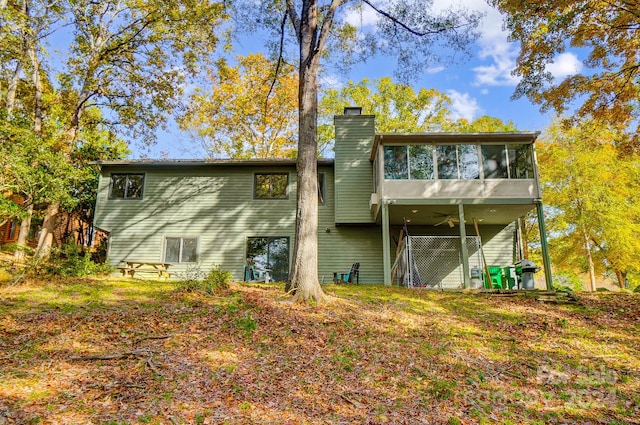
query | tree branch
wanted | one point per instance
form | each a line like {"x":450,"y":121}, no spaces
{"x":279,"y":62}
{"x":402,"y":24}
{"x":295,"y":20}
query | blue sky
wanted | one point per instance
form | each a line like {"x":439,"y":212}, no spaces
{"x":482,"y":85}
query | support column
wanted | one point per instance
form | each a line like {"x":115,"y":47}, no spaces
{"x":463,"y":248}
{"x":386,"y":241}
{"x":546,"y":259}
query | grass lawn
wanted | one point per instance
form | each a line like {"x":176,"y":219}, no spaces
{"x":109,"y":351}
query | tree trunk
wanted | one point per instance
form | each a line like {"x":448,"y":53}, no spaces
{"x":621,"y":276}
{"x":25,"y":227}
{"x":35,"y":76}
{"x":45,"y":242}
{"x":592,"y":274}
{"x":12,"y":90}
{"x":304,"y":273}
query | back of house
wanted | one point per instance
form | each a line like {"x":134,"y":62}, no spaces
{"x":240,"y":214}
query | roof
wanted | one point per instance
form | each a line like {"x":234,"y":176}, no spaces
{"x":206,"y":162}
{"x":446,"y":137}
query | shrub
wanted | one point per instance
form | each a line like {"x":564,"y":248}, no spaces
{"x":193,"y":279}
{"x":568,"y":281}
{"x":71,"y":260}
{"x":11,"y":248}
{"x":218,"y":278}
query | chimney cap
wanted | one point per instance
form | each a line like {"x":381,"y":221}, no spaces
{"x":352,"y":110}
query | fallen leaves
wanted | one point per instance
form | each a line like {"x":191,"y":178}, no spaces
{"x":375,"y":356}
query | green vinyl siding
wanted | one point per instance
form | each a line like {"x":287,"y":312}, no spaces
{"x":499,"y":244}
{"x":354,"y":171}
{"x":214,"y":204}
{"x":343,"y":245}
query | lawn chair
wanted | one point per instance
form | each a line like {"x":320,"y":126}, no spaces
{"x":254,"y":274}
{"x":348,"y":277}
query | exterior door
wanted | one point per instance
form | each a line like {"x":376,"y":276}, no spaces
{"x":270,"y":253}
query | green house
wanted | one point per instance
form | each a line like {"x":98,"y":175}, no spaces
{"x":438,"y":187}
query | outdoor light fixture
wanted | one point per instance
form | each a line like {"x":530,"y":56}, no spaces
{"x":414,"y":211}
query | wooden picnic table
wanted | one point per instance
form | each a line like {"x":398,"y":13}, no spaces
{"x":132,"y":267}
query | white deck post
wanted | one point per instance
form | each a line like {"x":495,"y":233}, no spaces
{"x":386,"y":241}
{"x":463,"y":248}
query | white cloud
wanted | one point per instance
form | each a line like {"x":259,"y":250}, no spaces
{"x":493,"y":45}
{"x":495,"y":48}
{"x":362,"y":16}
{"x":564,"y":65}
{"x":463,"y":106}
{"x":435,"y":70}
{"x":331,"y":81}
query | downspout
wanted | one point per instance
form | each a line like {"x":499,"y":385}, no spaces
{"x":546,"y":259}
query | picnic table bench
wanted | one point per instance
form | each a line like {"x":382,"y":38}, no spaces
{"x":131,"y":267}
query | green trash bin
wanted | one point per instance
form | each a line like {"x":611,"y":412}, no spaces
{"x":497,"y":277}
{"x":510,"y":276}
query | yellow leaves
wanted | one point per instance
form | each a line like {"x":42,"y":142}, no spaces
{"x":607,"y":32}
{"x":592,"y":189}
{"x":248,"y":112}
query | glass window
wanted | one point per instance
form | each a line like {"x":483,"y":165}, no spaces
{"x":447,"y":161}
{"x":126,"y":186}
{"x":271,"y":186}
{"x":421,"y":162}
{"x":494,"y":160}
{"x":520,"y":162}
{"x":12,"y":230}
{"x":395,"y":163}
{"x":468,"y":159}
{"x":270,"y":253}
{"x":181,"y":250}
{"x":322,"y":177}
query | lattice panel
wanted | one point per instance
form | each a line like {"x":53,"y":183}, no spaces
{"x":435,"y":262}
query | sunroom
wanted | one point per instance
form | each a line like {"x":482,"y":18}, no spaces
{"x":460,"y":186}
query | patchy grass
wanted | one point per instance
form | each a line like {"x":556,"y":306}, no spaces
{"x":107,"y":351}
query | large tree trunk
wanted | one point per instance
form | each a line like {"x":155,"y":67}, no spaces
{"x":12,"y":90}
{"x":622,"y":278}
{"x":45,"y":242}
{"x":304,"y":273}
{"x":25,"y":227}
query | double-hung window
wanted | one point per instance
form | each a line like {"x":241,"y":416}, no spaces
{"x":271,"y":186}
{"x":126,"y":186}
{"x":180,"y":250}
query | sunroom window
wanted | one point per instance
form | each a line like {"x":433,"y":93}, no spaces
{"x":520,"y":162}
{"x":494,"y":160}
{"x":458,"y":162}
{"x":395,"y":163}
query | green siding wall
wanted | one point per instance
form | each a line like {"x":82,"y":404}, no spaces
{"x":341,"y":246}
{"x":216,"y":205}
{"x":354,"y":171}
